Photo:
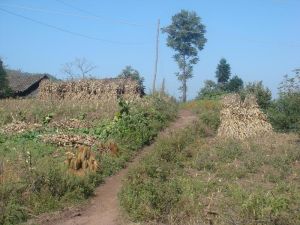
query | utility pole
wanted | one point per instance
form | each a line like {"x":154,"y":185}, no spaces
{"x":156,"y":56}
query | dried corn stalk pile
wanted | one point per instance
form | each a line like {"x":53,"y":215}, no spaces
{"x":242,"y":119}
{"x":104,"y":90}
{"x":70,"y":124}
{"x":70,"y":140}
{"x":84,"y":159}
{"x":18,"y":127}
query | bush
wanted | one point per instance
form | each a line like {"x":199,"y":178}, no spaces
{"x":262,"y":94}
{"x":284,"y":111}
{"x":211,"y":90}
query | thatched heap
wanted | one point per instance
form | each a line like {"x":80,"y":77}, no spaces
{"x":70,"y":140}
{"x":18,"y":127}
{"x":240,"y":120}
{"x":103,"y":90}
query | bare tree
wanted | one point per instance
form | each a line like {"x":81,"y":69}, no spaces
{"x":78,"y":68}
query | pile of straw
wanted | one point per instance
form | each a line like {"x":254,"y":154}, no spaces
{"x":70,"y":140}
{"x":18,"y":127}
{"x":84,"y":159}
{"x":241,"y":120}
{"x":70,"y":124}
{"x":88,"y":89}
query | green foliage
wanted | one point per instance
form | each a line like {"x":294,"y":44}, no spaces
{"x":262,"y":93}
{"x":129,"y":72}
{"x":223,"y":72}
{"x":190,"y":177}
{"x":211,"y":90}
{"x":40,"y":179}
{"x":235,"y":84}
{"x":186,"y":37}
{"x":5,"y":91}
{"x":137,"y":125}
{"x":284,"y":111}
{"x":151,"y":191}
{"x":47,"y":119}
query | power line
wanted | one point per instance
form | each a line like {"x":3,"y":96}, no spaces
{"x":65,"y":30}
{"x":48,"y":11}
{"x":93,"y":17}
{"x":101,"y":17}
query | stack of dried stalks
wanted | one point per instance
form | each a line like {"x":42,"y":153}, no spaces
{"x":109,"y":147}
{"x":18,"y":127}
{"x":103,"y":90}
{"x":240,"y":120}
{"x":70,"y":124}
{"x":70,"y":140}
{"x":84,"y":159}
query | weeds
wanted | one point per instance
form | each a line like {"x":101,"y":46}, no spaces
{"x":197,"y":178}
{"x":36,"y":179}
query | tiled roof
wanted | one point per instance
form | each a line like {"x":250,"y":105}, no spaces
{"x":19,"y":82}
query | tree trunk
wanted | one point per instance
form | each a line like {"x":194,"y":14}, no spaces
{"x":184,"y":88}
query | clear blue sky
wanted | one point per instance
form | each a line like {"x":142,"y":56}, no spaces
{"x":259,"y":38}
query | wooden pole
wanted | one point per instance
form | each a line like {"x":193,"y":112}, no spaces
{"x":156,"y":56}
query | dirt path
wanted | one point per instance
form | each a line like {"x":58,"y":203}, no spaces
{"x":103,"y":208}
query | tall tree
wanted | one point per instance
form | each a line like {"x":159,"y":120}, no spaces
{"x":186,"y":37}
{"x":223,"y":71}
{"x":78,"y":68}
{"x":129,"y":72}
{"x":4,"y":87}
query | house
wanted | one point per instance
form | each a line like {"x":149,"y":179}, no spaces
{"x":24,"y":84}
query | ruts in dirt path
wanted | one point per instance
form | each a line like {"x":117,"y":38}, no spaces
{"x":103,"y":208}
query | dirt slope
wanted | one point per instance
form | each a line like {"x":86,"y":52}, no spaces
{"x":103,"y":208}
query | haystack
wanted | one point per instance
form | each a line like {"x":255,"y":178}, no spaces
{"x":241,"y":120}
{"x":104,"y":90}
{"x":84,"y":159}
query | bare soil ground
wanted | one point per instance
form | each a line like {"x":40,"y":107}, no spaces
{"x":103,"y":208}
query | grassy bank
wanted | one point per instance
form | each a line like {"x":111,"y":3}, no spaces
{"x":34,"y":176}
{"x":194,"y":178}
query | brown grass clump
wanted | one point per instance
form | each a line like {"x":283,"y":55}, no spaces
{"x":84,"y":159}
{"x":103,"y":90}
{"x":242,"y":119}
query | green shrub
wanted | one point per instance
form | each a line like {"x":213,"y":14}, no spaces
{"x":262,"y":93}
{"x":284,"y":113}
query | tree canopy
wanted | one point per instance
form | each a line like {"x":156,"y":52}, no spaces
{"x":235,"y":84}
{"x":223,"y":71}
{"x":186,"y":37}
{"x":129,"y":72}
{"x":4,"y":87}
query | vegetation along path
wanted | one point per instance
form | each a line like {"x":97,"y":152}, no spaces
{"x":103,"y":209}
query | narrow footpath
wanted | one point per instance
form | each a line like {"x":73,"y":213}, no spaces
{"x":103,"y":208}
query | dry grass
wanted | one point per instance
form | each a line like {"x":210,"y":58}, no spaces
{"x":36,"y":111}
